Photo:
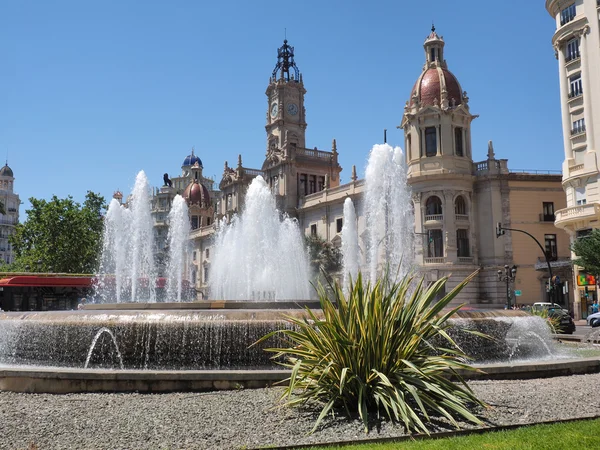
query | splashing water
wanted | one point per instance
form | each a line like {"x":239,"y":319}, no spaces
{"x":127,"y":270}
{"x":350,"y":249}
{"x":179,"y":251}
{"x":257,"y":253}
{"x":389,"y":215}
{"x":100,"y":332}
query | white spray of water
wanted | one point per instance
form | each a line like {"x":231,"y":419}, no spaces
{"x":127,"y":260}
{"x":179,"y":251}
{"x":390,"y":220}
{"x":258,"y":256}
{"x":350,"y":250}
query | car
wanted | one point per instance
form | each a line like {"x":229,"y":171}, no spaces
{"x":566,"y":324}
{"x":593,"y":320}
{"x":547,"y":305}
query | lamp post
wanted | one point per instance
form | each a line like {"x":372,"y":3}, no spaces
{"x":39,"y":265}
{"x":510,"y":273}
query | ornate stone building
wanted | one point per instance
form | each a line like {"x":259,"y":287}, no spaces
{"x":457,"y":201}
{"x":10,"y":218}
{"x":576,"y":43}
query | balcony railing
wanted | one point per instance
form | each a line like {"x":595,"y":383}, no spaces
{"x":577,"y":212}
{"x":465,"y":259}
{"x":435,"y":260}
{"x":575,"y":94}
{"x":578,"y":130}
{"x":437,"y":217}
{"x":462,"y":217}
{"x":547,"y":217}
{"x":572,"y":56}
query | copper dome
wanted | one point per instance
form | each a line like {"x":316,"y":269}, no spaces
{"x":428,"y":88}
{"x":196,"y":194}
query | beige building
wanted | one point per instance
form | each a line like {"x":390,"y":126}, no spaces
{"x":577,"y":46}
{"x":11,"y":203}
{"x":457,"y":201}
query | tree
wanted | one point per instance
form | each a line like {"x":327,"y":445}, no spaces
{"x":324,"y":256}
{"x":587,"y":250}
{"x":60,"y":234}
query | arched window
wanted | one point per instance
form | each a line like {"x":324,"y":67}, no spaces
{"x":460,"y":207}
{"x":433,"y":206}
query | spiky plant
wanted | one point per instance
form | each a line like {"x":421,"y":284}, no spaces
{"x":370,"y":351}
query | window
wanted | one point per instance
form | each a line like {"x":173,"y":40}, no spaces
{"x":458,"y":141}
{"x":548,"y":212}
{"x":462,"y":243}
{"x":321,"y":183}
{"x":312,"y":184}
{"x":194,"y":256}
{"x":229,"y":201}
{"x":433,"y":206}
{"x":551,"y":252}
{"x":194,"y":222}
{"x":576,"y":88}
{"x":435,"y":247}
{"x":460,"y":207}
{"x":567,"y":14}
{"x":432,"y":54}
{"x":207,"y":253}
{"x":339,"y":223}
{"x":578,"y":127}
{"x":313,"y":229}
{"x":303,"y":184}
{"x":572,"y":49}
{"x":583,"y":233}
{"x":580,"y":196}
{"x":206,"y":274}
{"x":430,"y":142}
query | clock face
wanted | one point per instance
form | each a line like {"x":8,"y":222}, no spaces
{"x":274,"y":109}
{"x":292,"y":109}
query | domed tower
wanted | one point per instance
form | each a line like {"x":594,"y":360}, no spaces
{"x":437,"y":131}
{"x":190,"y":161}
{"x":10,"y":217}
{"x":200,"y":208}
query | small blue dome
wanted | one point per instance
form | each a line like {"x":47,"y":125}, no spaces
{"x":192,"y":159}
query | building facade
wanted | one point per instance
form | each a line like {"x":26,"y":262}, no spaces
{"x":10,"y":218}
{"x":457,"y":201}
{"x":576,"y":43}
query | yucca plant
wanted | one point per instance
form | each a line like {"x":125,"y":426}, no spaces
{"x":371,"y":351}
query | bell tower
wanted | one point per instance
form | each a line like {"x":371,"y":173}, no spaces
{"x":286,"y":117}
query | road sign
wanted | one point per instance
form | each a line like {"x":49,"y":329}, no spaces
{"x":518,"y":293}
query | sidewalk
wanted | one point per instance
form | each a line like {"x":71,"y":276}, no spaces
{"x":580,"y":323}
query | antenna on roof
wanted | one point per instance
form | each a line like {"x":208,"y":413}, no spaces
{"x":285,"y":34}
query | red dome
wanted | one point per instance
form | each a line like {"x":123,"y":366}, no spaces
{"x":197,"y":194}
{"x":428,"y":88}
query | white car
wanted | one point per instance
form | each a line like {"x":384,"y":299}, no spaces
{"x":593,"y":320}
{"x":547,"y":305}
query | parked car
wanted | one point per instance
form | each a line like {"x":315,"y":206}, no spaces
{"x":593,"y":320}
{"x":566,"y":324}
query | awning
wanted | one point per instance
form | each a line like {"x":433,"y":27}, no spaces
{"x":34,"y":281}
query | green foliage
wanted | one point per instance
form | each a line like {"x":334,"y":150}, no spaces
{"x":552,"y":320}
{"x":371,"y":350}
{"x":64,"y":235}
{"x":324,"y":257}
{"x":587,"y":250}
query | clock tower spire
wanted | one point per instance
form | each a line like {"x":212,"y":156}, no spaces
{"x":286,"y":121}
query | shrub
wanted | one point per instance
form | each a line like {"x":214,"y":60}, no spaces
{"x":371,"y":351}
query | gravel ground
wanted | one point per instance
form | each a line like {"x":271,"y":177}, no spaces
{"x":246,"y":419}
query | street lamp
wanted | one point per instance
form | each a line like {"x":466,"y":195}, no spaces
{"x":510,"y":273}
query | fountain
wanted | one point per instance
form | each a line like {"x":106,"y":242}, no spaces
{"x":197,"y":345}
{"x":127,"y":270}
{"x":179,"y":252}
{"x":268,"y":253}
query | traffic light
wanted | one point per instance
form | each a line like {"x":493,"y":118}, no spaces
{"x":499,"y":229}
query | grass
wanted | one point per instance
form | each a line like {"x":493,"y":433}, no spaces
{"x":582,"y":434}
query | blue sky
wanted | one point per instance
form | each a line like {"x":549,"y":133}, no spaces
{"x":93,"y":92}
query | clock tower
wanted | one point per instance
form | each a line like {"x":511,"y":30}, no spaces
{"x":286,"y":117}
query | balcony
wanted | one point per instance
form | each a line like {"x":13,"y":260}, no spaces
{"x":435,"y":260}
{"x":577,"y":213}
{"x":465,"y":259}
{"x":575,"y":94}
{"x":434,"y":217}
{"x":578,"y":130}
{"x":462,"y":217}
{"x":555,"y":263}
{"x":572,"y":56}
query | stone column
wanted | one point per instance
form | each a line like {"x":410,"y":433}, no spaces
{"x":449,"y":228}
{"x":438,"y":139}
{"x":564,"y":101}
{"x":587,"y":103}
